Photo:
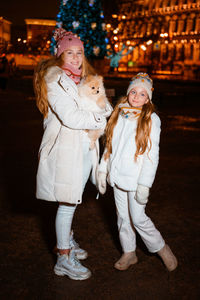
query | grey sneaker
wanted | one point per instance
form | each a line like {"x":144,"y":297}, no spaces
{"x":70,"y":265}
{"x":80,"y":253}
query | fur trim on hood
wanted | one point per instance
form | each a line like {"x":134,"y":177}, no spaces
{"x":53,"y":73}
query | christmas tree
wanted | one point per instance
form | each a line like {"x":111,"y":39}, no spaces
{"x":84,"y":18}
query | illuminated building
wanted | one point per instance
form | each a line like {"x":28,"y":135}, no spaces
{"x":165,"y":35}
{"x":5,"y":33}
{"x":39,"y":27}
{"x":39,"y":32}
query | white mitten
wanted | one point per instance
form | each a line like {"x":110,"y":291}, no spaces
{"x":142,"y":194}
{"x":108,"y":110}
{"x":101,"y":182}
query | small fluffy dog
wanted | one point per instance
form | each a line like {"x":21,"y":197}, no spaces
{"x":93,"y":98}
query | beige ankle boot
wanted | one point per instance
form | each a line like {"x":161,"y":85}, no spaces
{"x":127,"y":259}
{"x":168,"y":258}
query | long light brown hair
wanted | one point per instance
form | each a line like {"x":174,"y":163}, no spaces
{"x":39,"y":83}
{"x":142,"y":132}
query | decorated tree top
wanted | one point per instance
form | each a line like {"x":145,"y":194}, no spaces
{"x":86,"y":19}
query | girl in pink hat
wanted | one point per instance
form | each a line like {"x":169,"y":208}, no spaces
{"x":65,"y":158}
{"x":129,"y":163}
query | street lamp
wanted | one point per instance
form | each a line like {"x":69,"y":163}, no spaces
{"x":143,"y":47}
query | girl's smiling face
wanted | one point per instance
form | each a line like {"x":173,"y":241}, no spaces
{"x":73,"y":56}
{"x":138,"y":97}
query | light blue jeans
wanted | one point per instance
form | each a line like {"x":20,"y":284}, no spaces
{"x":65,"y":213}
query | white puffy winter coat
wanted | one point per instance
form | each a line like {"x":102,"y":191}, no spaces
{"x":121,"y":168}
{"x":59,"y":176}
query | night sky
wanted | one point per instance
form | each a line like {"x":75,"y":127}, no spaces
{"x":16,"y":11}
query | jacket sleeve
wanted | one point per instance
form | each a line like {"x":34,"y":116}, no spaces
{"x":68,"y":112}
{"x":151,"y":158}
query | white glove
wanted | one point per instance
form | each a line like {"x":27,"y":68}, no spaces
{"x":101,"y":182}
{"x":108,"y":110}
{"x":142,"y":194}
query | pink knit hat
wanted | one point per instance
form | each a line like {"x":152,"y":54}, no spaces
{"x":65,"y":39}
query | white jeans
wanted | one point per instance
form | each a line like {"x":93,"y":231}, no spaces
{"x":65,"y":213}
{"x":132,"y":215}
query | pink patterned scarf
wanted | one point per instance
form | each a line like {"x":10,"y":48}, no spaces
{"x":73,"y":73}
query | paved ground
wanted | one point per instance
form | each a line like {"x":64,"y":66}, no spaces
{"x":27,"y":224}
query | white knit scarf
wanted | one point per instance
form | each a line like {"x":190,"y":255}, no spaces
{"x":128,"y":112}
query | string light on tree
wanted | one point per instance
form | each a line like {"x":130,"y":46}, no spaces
{"x":103,"y":25}
{"x":96,"y":50}
{"x":91,"y":2}
{"x":94,"y":25}
{"x":101,"y":15}
{"x":59,"y":24}
{"x":75,"y":24}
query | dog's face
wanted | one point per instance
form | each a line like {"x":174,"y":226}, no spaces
{"x":92,"y":89}
{"x":93,"y":85}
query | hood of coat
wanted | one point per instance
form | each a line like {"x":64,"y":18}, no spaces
{"x":52,"y":74}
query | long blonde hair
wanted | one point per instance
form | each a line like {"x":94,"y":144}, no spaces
{"x":39,"y":83}
{"x":142,"y":132}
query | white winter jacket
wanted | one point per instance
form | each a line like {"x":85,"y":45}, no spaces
{"x":59,"y":176}
{"x":121,"y":168}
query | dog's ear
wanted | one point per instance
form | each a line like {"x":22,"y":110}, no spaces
{"x":100,"y":78}
{"x":89,"y":78}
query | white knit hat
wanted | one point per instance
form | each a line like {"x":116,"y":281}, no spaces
{"x":143,"y":80}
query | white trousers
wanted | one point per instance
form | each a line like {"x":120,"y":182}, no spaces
{"x":132,"y":215}
{"x":65,"y":213}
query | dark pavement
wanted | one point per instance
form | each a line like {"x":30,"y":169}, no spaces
{"x":27,"y":224}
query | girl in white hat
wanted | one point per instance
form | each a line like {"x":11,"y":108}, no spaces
{"x":129,"y":164}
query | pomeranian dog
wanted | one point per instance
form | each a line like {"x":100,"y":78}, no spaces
{"x":93,"y":98}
